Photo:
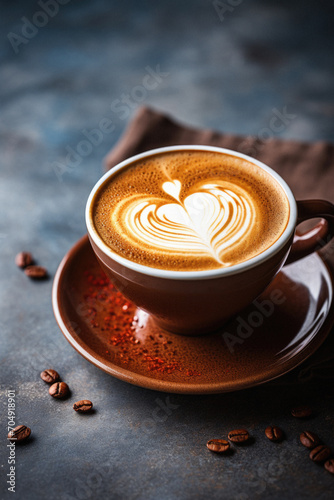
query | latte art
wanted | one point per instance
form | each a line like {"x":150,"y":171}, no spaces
{"x":190,"y":210}
{"x":207,"y":222}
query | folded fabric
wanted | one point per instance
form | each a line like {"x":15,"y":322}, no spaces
{"x":308,"y":168}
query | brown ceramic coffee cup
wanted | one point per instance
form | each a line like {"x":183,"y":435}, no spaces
{"x":198,"y":302}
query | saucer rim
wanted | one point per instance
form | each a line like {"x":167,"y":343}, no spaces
{"x":180,"y":387}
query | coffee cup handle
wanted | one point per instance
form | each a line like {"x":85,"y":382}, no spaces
{"x":319,"y":235}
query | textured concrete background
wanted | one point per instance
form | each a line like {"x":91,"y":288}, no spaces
{"x":227,"y":71}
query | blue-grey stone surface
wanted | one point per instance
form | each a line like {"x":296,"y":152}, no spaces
{"x":226,"y":65}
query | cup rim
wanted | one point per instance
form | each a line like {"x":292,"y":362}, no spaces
{"x":192,"y":275}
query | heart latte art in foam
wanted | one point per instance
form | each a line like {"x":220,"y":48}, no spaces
{"x":207,"y":222}
{"x":190,"y":211}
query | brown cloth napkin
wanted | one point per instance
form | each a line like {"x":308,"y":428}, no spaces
{"x":308,"y":168}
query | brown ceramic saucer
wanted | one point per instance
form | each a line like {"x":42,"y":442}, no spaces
{"x":269,"y":338}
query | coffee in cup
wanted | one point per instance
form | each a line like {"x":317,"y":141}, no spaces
{"x":193,"y":234}
{"x":190,"y":211}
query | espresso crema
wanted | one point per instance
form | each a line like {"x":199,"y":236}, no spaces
{"x":190,"y":211}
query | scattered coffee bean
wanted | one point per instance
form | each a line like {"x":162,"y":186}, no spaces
{"x":83,"y":406}
{"x":309,"y":439}
{"x":329,"y":465}
{"x":20,"y":433}
{"x":36,"y":272}
{"x":301,"y":411}
{"x":320,"y":453}
{"x":218,"y":445}
{"x":238,"y":436}
{"x":23,"y":259}
{"x":50,"y":376}
{"x":274,"y":433}
{"x":59,"y":390}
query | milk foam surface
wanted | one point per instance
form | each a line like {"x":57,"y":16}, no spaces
{"x":190,"y":210}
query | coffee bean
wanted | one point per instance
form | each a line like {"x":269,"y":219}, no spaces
{"x":23,"y":259}
{"x":301,"y":411}
{"x":274,"y":433}
{"x":59,"y":390}
{"x":320,"y":453}
{"x":83,"y":406}
{"x":50,"y":376}
{"x":20,"y":433}
{"x":218,"y":445}
{"x":238,"y":436}
{"x":329,"y":465}
{"x":36,"y":272}
{"x":309,"y":439}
